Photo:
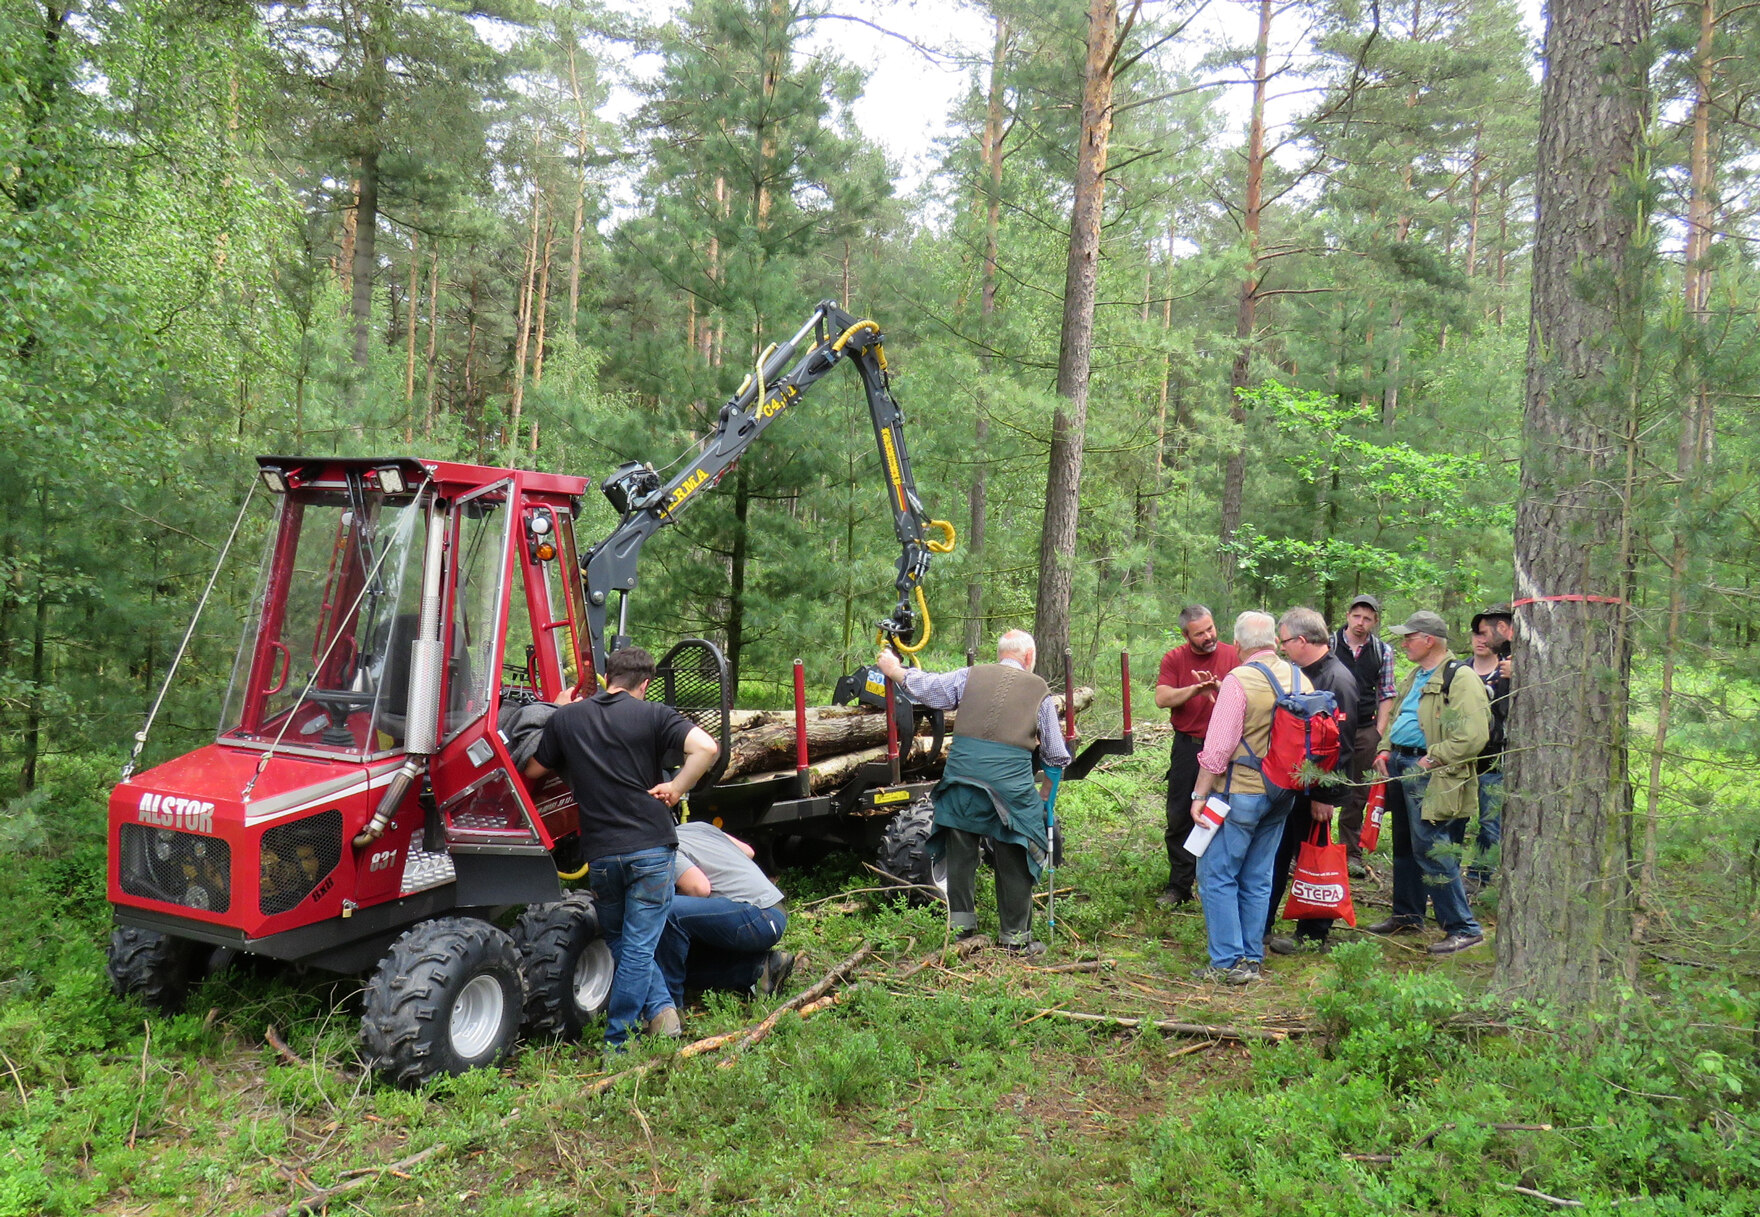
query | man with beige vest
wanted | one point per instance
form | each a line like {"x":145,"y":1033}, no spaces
{"x":1006,"y":723}
{"x":1234,"y":875}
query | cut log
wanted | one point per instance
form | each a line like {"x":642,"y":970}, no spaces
{"x":763,"y":741}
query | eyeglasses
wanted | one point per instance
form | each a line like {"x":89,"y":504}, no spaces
{"x":1286,"y":641}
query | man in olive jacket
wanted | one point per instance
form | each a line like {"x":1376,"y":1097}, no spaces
{"x":1429,"y":753}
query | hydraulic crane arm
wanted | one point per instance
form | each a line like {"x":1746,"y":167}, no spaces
{"x":646,"y":505}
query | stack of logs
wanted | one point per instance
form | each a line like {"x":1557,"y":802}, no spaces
{"x":761,"y":743}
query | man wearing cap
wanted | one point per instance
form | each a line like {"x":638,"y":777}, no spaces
{"x":1370,"y":661}
{"x":1429,"y":754}
{"x":1186,"y":689}
{"x":1491,"y":647}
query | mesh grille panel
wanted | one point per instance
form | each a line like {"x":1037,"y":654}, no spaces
{"x":183,"y":868}
{"x":693,"y":681}
{"x":295,"y":857}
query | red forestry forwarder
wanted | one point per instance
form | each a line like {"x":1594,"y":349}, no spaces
{"x":361,"y":807}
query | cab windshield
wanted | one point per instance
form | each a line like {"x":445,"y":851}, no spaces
{"x":338,"y":599}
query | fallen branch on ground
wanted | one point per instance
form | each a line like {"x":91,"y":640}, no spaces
{"x":1424,"y":1141}
{"x":273,"y":1037}
{"x":320,"y":1199}
{"x":906,"y":884}
{"x":1086,"y":965}
{"x":714,"y":1042}
{"x":1207,"y":1030}
{"x":1560,"y":1201}
{"x":758,"y":1034}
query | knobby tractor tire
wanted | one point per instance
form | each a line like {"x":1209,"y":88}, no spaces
{"x":567,"y":966}
{"x":446,"y":998}
{"x":154,"y":967}
{"x":904,"y":852}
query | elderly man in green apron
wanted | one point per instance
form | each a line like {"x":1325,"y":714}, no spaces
{"x":988,"y":788}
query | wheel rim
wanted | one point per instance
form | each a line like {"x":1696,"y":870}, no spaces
{"x":593,"y":973}
{"x":476,"y":1016}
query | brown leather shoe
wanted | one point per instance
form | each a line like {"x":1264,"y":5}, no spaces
{"x":667,"y":1024}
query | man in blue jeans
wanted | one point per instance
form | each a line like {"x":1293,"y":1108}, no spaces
{"x":1235,"y":871}
{"x":726,"y":919}
{"x":610,"y":747}
{"x":1430,"y":754}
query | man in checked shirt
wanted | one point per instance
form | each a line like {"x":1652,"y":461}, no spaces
{"x":1006,"y":725}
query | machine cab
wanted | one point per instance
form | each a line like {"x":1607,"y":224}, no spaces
{"x":405,"y":612}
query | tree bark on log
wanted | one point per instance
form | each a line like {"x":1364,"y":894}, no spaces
{"x":839,"y":738}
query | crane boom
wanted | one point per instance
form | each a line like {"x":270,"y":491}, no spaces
{"x":784,"y":373}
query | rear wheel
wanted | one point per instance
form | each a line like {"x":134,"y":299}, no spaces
{"x":904,"y":853}
{"x":154,"y":967}
{"x":446,"y":998}
{"x":567,"y":966}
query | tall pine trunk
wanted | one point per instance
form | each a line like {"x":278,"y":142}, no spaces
{"x":1057,"y":537}
{"x":978,"y":496}
{"x":1234,"y":470}
{"x":1566,"y":918}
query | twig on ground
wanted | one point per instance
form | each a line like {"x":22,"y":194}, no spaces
{"x":1200,"y":1046}
{"x":1208,"y":1030}
{"x":1086,"y":965}
{"x":1062,"y":891}
{"x":319,"y":1199}
{"x":901,"y":884}
{"x":1425,"y":1141}
{"x":16,"y":1080}
{"x":854,"y":891}
{"x":1560,"y":1201}
{"x":142,"y":1097}
{"x":273,"y":1037}
{"x":961,"y":950}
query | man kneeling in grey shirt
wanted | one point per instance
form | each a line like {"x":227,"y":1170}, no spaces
{"x":726,"y":919}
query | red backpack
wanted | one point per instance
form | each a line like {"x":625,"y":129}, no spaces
{"x":1304,"y":732}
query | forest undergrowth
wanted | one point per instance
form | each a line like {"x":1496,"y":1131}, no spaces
{"x":1402,"y":1084}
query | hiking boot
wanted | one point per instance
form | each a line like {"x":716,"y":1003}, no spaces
{"x":774,"y":974}
{"x":963,"y":932}
{"x":1283,"y":944}
{"x":1393,"y":925}
{"x":1456,"y":942}
{"x":667,"y":1024}
{"x":1357,"y":868}
{"x":1210,"y":975}
{"x":1243,"y":973}
{"x":1174,"y":897}
{"x":1024,"y":949}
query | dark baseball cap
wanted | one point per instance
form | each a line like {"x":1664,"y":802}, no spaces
{"x":1422,"y":623}
{"x":1495,"y":612}
{"x":1364,"y":599}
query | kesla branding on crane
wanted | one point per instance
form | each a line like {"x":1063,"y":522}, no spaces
{"x":169,"y":811}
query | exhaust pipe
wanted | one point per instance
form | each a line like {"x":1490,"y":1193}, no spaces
{"x":422,"y":705}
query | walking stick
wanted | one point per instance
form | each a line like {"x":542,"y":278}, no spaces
{"x":1056,"y":777}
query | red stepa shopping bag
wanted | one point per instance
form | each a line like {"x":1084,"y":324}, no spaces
{"x":1320,"y":886}
{"x":1370,"y":835}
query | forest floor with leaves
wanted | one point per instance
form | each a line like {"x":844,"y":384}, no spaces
{"x":1372,"y":1079}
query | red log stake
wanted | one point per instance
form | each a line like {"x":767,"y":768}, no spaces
{"x":800,"y":729}
{"x":1124,"y":671}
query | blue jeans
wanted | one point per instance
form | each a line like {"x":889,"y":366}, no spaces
{"x":1490,"y":823}
{"x":712,"y":942}
{"x":1426,"y":856}
{"x":633,"y":894}
{"x":1234,"y":875}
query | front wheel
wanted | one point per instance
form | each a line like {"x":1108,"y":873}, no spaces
{"x":446,"y":998}
{"x":155,"y":967}
{"x":904,"y":853}
{"x":567,"y":966}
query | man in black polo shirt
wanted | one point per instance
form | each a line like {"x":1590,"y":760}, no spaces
{"x":1370,"y":662}
{"x":609,"y":748}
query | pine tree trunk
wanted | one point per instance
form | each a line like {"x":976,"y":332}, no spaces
{"x":433,"y":343}
{"x":409,"y":367}
{"x":1057,"y":537}
{"x":978,"y":497}
{"x":543,"y":304}
{"x":1234,"y":471}
{"x":1566,"y":916}
{"x":361,"y":281}
{"x":523,"y":337}
{"x":736,"y":575}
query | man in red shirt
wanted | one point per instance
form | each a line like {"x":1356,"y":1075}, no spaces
{"x":1186,"y":689}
